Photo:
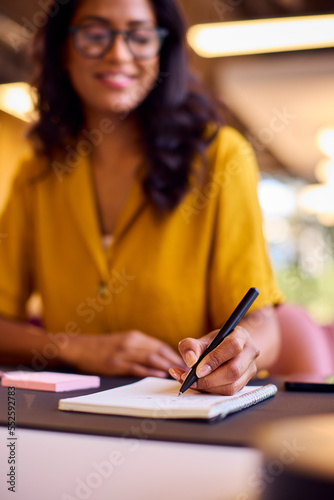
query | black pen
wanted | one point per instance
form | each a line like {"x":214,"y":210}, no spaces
{"x":225,"y":330}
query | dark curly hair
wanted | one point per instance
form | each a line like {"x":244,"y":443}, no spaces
{"x":174,"y":115}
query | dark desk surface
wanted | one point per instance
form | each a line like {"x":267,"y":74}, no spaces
{"x":38,"y":410}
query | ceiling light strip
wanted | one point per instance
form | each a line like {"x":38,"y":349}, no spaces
{"x":262,"y":36}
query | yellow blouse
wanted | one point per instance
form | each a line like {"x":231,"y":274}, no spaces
{"x":170,"y":276}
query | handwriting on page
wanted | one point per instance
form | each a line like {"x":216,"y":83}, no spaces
{"x":165,"y":404}
{"x":164,"y":401}
{"x":160,"y":398}
{"x":178,"y":401}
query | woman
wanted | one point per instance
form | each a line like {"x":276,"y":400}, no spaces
{"x":137,"y":219}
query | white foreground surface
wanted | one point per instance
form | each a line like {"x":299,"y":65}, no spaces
{"x":64,"y":466}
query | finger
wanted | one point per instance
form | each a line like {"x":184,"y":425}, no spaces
{"x":137,"y":370}
{"x":173,"y":357}
{"x":146,"y":358}
{"x":180,"y":376}
{"x":155,"y":360}
{"x":144,"y":342}
{"x":145,"y":363}
{"x":176,"y":373}
{"x":151,"y":360}
{"x":232,"y":373}
{"x":230,"y":348}
{"x":228,"y":389}
{"x":191,"y":349}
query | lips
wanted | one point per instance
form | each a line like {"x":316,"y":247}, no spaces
{"x":117,"y":80}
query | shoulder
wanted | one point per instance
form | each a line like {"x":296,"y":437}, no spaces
{"x":30,"y":168}
{"x":22,"y":187}
{"x":228,"y":142}
{"x":230,"y":154}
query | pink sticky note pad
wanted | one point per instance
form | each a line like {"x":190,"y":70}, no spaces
{"x":49,"y":381}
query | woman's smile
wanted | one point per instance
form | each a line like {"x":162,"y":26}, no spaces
{"x":116,"y":79}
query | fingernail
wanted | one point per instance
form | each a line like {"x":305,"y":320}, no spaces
{"x":204,"y":371}
{"x":174,"y":374}
{"x":190,"y":358}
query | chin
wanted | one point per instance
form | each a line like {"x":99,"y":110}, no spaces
{"x":128,"y":102}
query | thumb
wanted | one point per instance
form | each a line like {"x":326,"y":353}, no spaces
{"x":191,"y":349}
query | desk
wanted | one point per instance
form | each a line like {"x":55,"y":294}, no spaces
{"x":63,"y":457}
{"x":38,"y":410}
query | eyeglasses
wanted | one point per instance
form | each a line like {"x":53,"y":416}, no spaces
{"x":95,"y":40}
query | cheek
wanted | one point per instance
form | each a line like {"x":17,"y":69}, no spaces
{"x":150,"y":75}
{"x":78,"y":73}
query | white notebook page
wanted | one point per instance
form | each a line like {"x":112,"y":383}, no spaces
{"x":154,"y":397}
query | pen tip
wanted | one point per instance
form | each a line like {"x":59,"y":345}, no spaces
{"x":179,"y":394}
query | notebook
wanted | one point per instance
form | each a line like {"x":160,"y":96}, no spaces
{"x":158,"y":398}
{"x":49,"y":381}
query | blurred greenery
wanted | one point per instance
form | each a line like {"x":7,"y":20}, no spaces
{"x":316,"y":294}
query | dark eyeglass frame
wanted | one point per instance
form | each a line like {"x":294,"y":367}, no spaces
{"x":162,"y":34}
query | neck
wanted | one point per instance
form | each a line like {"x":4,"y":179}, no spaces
{"x":112,"y":135}
{"x":112,"y":124}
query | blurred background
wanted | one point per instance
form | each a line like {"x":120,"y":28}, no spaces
{"x":275,"y":82}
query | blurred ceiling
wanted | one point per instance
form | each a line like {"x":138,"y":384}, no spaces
{"x":297,"y":87}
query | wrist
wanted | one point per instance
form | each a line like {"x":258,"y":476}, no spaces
{"x":70,"y":347}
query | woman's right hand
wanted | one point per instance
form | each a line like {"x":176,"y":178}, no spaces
{"x":131,"y":353}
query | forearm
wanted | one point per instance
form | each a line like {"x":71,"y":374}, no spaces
{"x":130,"y":353}
{"x":263,"y":327}
{"x":24,"y":343}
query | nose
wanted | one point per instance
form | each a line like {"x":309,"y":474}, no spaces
{"x":119,"y":49}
